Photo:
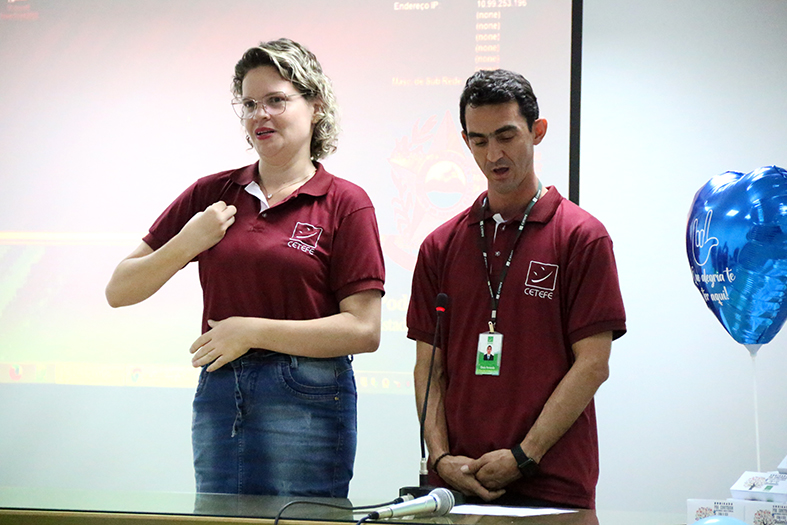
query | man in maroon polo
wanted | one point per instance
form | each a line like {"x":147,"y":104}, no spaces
{"x":532,"y":275}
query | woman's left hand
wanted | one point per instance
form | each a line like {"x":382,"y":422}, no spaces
{"x":223,"y":343}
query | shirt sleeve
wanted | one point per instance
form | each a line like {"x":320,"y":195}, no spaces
{"x":357,"y":257}
{"x":421,"y":315}
{"x":172,"y":220}
{"x":593,"y":295}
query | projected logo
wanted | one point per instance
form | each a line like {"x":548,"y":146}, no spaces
{"x":15,"y":372}
{"x":305,"y":237}
{"x":435,"y":177}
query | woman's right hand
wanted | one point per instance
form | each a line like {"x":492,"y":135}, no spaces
{"x":207,"y":228}
{"x":142,"y":273}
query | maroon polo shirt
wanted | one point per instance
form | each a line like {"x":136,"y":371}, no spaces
{"x":296,"y":260}
{"x":562,"y":287}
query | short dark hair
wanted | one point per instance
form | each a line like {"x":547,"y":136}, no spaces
{"x":498,"y":87}
{"x":298,"y":65}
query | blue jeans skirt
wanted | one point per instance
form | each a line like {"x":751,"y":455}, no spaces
{"x":276,"y":424}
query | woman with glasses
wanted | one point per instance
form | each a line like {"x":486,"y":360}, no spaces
{"x":292,"y":275}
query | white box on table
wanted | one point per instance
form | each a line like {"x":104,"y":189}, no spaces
{"x":761,"y":486}
{"x":697,"y":509}
{"x":765,"y":513}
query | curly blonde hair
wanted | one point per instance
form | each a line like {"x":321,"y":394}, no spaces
{"x":298,"y":65}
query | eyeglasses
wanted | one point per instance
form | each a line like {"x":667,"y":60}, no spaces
{"x":273,"y":104}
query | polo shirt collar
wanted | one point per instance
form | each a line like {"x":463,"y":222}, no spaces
{"x":244,"y":176}
{"x":542,"y":212}
{"x":316,"y":186}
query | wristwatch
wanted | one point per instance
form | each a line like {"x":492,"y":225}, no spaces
{"x":527,"y":466}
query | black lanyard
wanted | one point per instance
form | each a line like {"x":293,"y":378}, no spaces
{"x":496,"y":297}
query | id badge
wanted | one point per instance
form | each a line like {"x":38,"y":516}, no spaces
{"x":490,"y":350}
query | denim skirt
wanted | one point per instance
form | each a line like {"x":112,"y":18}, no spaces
{"x":275,"y":424}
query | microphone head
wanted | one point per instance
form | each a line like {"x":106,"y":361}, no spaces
{"x":442,"y":302}
{"x":444,"y":499}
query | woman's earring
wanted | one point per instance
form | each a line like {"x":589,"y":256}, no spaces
{"x":248,"y":141}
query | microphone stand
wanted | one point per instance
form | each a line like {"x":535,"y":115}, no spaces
{"x":424,"y":488}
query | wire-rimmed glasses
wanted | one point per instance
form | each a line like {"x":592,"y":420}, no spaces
{"x":273,"y":104}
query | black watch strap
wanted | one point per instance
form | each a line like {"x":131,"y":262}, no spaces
{"x":527,"y":466}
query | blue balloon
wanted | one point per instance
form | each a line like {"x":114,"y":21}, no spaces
{"x":736,"y":241}
{"x":719,"y":520}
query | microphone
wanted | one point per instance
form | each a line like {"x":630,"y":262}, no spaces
{"x":424,"y":488}
{"x":441,"y":303}
{"x":439,"y":502}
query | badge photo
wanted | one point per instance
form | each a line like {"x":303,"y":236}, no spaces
{"x":490,"y":351}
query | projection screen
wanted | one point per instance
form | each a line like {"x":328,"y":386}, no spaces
{"x":108,"y":110}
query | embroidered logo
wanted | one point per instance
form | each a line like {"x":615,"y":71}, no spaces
{"x":541,"y":279}
{"x":305,"y":237}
